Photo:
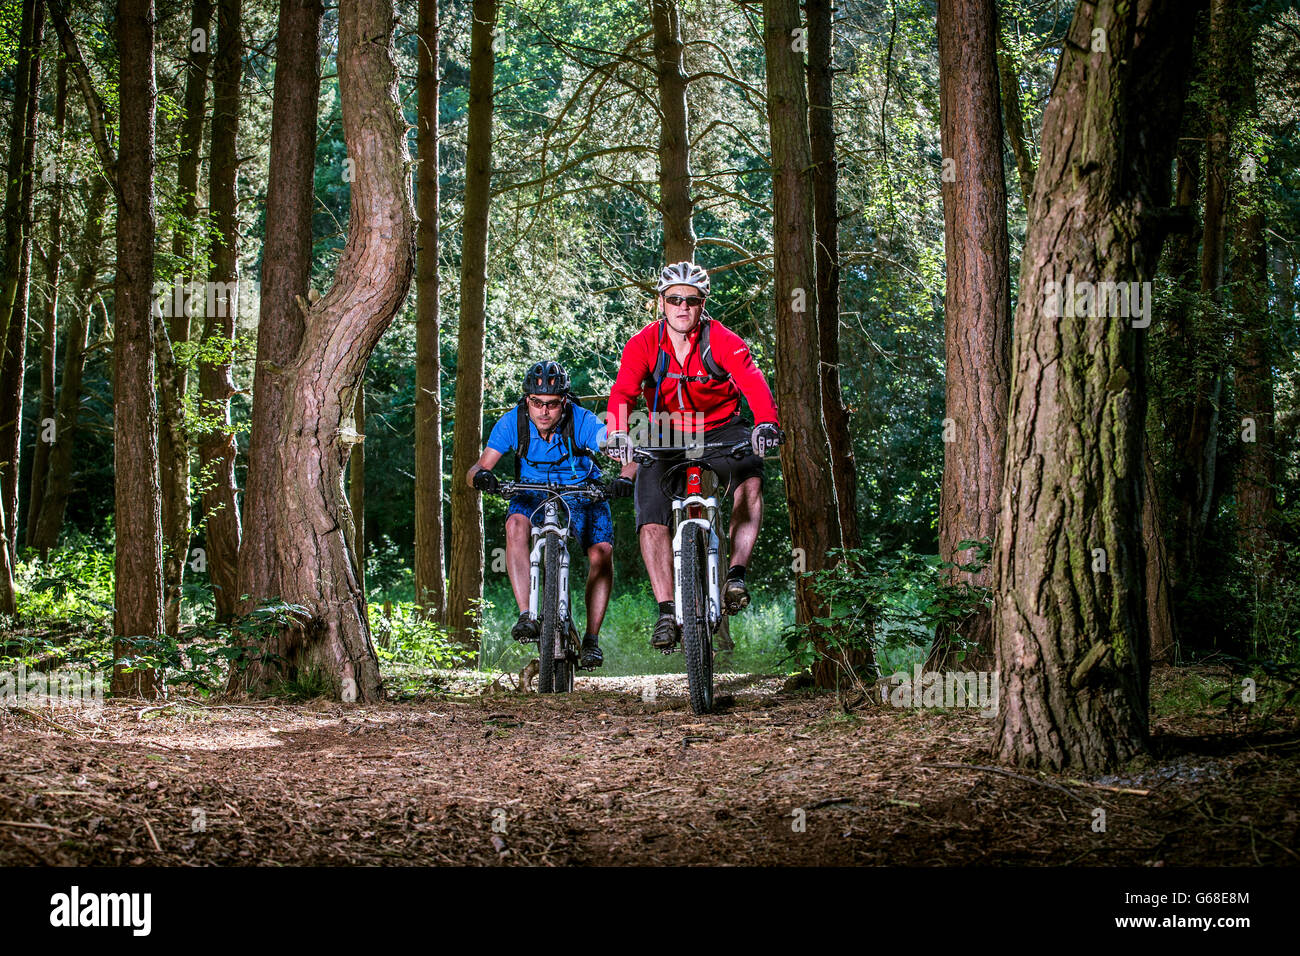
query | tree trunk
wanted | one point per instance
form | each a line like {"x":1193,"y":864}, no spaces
{"x":62,"y":451}
{"x":1161,"y":623}
{"x":1021,"y":148}
{"x":138,"y":596}
{"x":430,"y":561}
{"x":466,"y":589}
{"x":173,"y":432}
{"x":1254,"y":353}
{"x":18,"y":233}
{"x":825,"y":185}
{"x":977,"y":317}
{"x":49,"y":330}
{"x":805,"y":457}
{"x":1171,"y":382}
{"x":13,"y":217}
{"x":1196,"y":423}
{"x":10,"y":267}
{"x":49,"y":334}
{"x":1070,"y":618}
{"x":316,"y":571}
{"x":221,"y":528}
{"x":357,"y":486}
{"x":675,"y":201}
{"x":286,"y":268}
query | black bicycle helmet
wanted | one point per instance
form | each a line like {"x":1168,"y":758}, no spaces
{"x":546,"y":378}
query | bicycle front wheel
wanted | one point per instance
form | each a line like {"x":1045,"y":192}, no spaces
{"x":563,"y":665}
{"x":697,"y":644}
{"x":550,"y":637}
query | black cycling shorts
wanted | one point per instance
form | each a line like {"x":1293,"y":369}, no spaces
{"x":653,"y":506}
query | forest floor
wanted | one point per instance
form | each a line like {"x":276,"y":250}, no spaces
{"x":621,"y":772}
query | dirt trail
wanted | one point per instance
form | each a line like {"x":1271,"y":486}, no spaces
{"x":607,"y":777}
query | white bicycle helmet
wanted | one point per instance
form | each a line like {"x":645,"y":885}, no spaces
{"x":683,"y":273}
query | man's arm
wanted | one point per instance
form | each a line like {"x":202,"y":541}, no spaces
{"x":487,"y":460}
{"x":632,"y":371}
{"x":731,"y":352}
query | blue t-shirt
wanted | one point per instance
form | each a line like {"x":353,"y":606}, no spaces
{"x":552,"y":461}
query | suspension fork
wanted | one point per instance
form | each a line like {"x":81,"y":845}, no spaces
{"x":537,"y":555}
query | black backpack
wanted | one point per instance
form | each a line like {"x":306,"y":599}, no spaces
{"x":524,"y":436}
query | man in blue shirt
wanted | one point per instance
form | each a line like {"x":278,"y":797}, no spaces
{"x":562,"y":437}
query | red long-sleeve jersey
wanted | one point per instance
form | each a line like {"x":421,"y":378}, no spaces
{"x":708,"y":403}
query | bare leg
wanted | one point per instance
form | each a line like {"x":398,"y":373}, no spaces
{"x":600,"y":581}
{"x":657,"y":552}
{"x":746,"y":519}
{"x":518,"y":540}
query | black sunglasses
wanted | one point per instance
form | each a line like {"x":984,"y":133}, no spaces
{"x":538,"y":403}
{"x":694,"y":301}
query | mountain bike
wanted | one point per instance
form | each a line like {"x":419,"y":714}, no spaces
{"x":548,"y":580}
{"x":697,"y":543}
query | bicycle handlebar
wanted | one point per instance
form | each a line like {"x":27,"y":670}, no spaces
{"x":596,"y":492}
{"x":645,"y":454}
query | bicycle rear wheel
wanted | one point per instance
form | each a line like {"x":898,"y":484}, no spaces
{"x":697,"y":643}
{"x":546,"y":675}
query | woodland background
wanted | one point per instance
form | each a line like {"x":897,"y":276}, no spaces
{"x":599,"y":113}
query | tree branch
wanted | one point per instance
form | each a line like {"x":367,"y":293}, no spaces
{"x":94,"y":103}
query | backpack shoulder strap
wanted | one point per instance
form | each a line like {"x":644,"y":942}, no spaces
{"x":567,"y":426}
{"x":661,"y":362}
{"x":521,"y":442}
{"x":711,"y":366}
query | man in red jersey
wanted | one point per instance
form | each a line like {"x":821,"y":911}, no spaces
{"x":695,"y":369}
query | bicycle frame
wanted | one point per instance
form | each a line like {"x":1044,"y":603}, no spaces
{"x":696,"y":508}
{"x":550,"y":523}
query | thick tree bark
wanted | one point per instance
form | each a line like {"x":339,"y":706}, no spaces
{"x":675,"y":201}
{"x":17,"y":287}
{"x":805,"y":457}
{"x":825,"y":185}
{"x":430,"y":561}
{"x":49,"y":524}
{"x":138,"y":596}
{"x":286,"y":269}
{"x":50,"y":321}
{"x":466,"y":507}
{"x":1254,"y":352}
{"x":221,"y":526}
{"x":977,"y":317}
{"x":1070,"y":613}
{"x":173,"y":432}
{"x":316,"y":571}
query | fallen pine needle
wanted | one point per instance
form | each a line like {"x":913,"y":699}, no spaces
{"x":1007,"y":773}
{"x":152,"y":836}
{"x":45,"y":720}
{"x":34,"y":826}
